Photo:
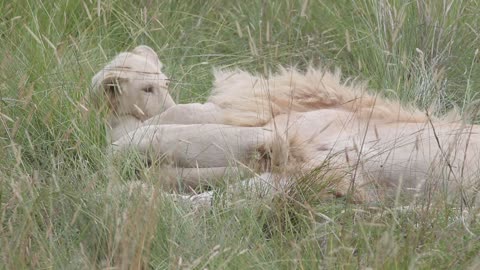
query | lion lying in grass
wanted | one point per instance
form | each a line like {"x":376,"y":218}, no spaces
{"x":290,"y":125}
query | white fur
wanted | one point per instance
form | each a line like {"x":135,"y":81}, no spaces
{"x":122,"y":83}
{"x":294,"y":122}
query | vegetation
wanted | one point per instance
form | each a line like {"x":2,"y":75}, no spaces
{"x":57,"y":209}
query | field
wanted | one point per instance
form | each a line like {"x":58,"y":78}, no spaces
{"x":57,"y":207}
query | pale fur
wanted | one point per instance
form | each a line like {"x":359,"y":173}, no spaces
{"x":252,"y":100}
{"x":122,"y":84}
{"x":296,"y":122}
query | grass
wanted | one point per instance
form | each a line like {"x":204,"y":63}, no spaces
{"x":56,"y":208}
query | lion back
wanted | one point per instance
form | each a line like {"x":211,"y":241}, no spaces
{"x":253,"y":100}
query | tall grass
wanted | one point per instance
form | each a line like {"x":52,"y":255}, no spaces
{"x":56,"y":205}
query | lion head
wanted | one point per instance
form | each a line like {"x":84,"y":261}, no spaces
{"x":133,"y":85}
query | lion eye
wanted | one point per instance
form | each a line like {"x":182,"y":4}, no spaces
{"x":148,"y":89}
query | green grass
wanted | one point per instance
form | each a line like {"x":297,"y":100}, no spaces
{"x":56,"y":210}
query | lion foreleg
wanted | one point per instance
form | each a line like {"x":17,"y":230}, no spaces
{"x":196,"y":146}
{"x":193,"y":113}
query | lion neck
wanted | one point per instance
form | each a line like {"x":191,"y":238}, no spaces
{"x":119,"y":126}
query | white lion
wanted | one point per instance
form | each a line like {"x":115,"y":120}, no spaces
{"x":290,"y":123}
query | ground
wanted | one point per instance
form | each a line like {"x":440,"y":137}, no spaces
{"x":57,"y":205}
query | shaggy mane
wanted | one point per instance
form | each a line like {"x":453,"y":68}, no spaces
{"x":253,"y":100}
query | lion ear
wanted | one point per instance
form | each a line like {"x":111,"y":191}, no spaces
{"x":106,"y":81}
{"x":106,"y":84}
{"x":111,"y":85}
{"x":149,"y":53}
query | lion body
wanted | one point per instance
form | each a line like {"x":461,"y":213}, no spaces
{"x":299,"y":121}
